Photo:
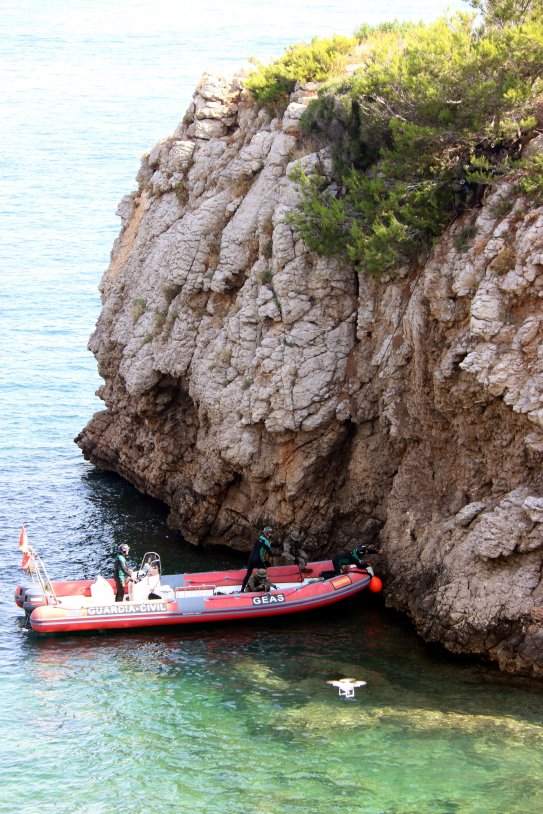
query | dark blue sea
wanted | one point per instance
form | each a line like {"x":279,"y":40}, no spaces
{"x":238,"y":720}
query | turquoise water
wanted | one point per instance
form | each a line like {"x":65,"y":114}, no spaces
{"x":230,"y":719}
{"x":242,"y":720}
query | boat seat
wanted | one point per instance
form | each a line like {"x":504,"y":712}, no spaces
{"x":102,"y":592}
{"x":139,"y":591}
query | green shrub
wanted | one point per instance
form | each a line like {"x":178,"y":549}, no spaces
{"x":367,"y":31}
{"x":435,"y":109}
{"x":529,"y":173}
{"x":182,"y":193}
{"x":265,"y":277}
{"x":464,"y":238}
{"x":321,"y":219}
{"x":315,"y":62}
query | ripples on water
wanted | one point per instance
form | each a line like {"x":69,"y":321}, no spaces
{"x":238,"y":719}
{"x":244,"y":721}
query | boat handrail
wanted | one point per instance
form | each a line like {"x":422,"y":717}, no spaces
{"x":41,"y":572}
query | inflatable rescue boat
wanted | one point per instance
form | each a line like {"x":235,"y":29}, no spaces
{"x":154,"y":599}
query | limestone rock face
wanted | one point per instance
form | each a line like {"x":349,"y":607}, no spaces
{"x":248,"y":381}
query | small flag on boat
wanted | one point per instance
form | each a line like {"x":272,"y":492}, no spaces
{"x":24,"y":548}
{"x":26,"y":564}
{"x":23,"y":541}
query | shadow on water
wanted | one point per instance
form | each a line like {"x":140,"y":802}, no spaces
{"x":101,"y":511}
{"x":128,"y":516}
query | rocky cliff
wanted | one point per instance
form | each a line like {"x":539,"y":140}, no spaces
{"x":248,"y":381}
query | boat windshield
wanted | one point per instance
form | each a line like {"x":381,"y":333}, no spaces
{"x":151,"y":565}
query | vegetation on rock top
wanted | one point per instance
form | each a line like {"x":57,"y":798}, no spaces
{"x":432,"y":115}
{"x":314,"y":62}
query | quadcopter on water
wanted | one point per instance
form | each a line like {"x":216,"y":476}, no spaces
{"x":346,"y":686}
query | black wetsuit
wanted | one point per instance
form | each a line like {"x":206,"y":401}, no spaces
{"x":347,"y":558}
{"x":262,"y":551}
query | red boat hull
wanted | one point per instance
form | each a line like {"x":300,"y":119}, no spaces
{"x":199,"y":599}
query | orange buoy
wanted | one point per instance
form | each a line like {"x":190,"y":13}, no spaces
{"x":375,"y":585}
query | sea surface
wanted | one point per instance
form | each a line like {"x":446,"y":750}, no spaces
{"x":235,"y":719}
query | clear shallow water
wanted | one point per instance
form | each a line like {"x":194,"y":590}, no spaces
{"x":244,"y":721}
{"x":235,"y":720}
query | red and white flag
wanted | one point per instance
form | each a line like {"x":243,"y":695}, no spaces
{"x":24,"y":548}
{"x":26,"y":564}
{"x":23,"y":541}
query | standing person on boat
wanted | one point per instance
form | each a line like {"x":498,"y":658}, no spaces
{"x":261,"y":554}
{"x":353,"y":557}
{"x":122,"y":573}
{"x":292,"y":550}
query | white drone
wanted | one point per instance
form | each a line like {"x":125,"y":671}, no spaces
{"x":347,"y":686}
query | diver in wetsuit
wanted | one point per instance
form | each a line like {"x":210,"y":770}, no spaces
{"x":260,"y":556}
{"x":122,"y":572}
{"x":353,"y":557}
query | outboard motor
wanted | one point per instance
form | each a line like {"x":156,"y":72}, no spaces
{"x":20,"y":591}
{"x":34,"y":597}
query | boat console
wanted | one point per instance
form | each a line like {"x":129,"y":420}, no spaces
{"x":147,"y":583}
